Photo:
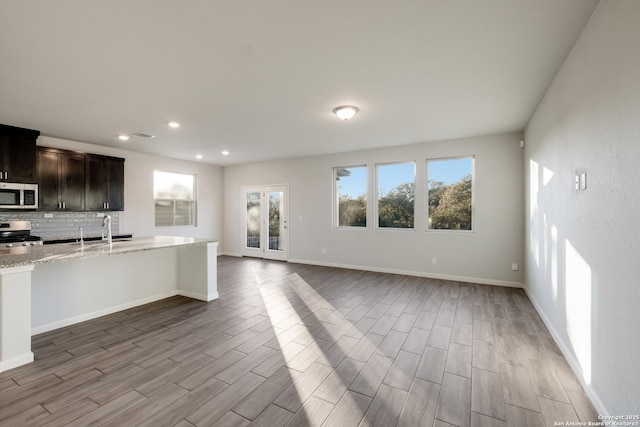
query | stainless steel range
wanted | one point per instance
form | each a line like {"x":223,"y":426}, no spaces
{"x":16,"y":234}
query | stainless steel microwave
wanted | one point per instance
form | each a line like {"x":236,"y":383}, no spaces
{"x":18,"y":196}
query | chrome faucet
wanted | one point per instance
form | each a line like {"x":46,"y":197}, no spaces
{"x":81,"y":237}
{"x":106,"y":221}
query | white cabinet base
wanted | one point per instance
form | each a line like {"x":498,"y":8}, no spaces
{"x":15,"y":317}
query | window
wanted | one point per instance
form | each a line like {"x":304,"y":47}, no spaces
{"x":450,"y":198}
{"x":175,"y":198}
{"x":396,"y":194}
{"x":350,"y":196}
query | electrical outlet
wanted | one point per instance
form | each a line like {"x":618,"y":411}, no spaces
{"x":514,"y":266}
{"x":434,"y":260}
{"x":48,"y":215}
{"x":99,"y":214}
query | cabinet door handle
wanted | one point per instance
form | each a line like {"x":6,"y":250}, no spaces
{"x":107,"y":205}
{"x":6,"y":175}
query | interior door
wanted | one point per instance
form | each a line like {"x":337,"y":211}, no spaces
{"x":265,"y":222}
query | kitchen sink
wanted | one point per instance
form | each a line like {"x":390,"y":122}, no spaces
{"x":89,"y":240}
{"x":90,"y":243}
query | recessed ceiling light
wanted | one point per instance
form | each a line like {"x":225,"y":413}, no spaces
{"x":123,"y":137}
{"x":345,"y":112}
{"x":225,"y":152}
{"x":198,"y":156}
{"x":174,"y":125}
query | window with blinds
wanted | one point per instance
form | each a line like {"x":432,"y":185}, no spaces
{"x":175,"y":199}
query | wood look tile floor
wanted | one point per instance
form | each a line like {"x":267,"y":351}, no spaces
{"x":295,"y":345}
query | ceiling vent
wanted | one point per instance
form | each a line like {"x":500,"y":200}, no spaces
{"x":142,"y":135}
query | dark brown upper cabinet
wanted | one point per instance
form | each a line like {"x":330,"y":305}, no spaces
{"x":104,"y":183}
{"x":60,"y":179}
{"x":18,"y":154}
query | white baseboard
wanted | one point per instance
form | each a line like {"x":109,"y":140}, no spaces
{"x":466,"y":279}
{"x":14,"y":362}
{"x":110,"y":310}
{"x":233,"y":254}
{"x":573,"y":363}
{"x":200,"y":297}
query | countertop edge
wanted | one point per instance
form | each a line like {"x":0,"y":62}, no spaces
{"x":38,"y":255}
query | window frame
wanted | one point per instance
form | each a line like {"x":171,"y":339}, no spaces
{"x":377,"y":196}
{"x":336,"y":205}
{"x":473,"y":194}
{"x":194,"y":201}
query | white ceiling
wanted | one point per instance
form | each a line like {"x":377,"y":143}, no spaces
{"x":260,"y":78}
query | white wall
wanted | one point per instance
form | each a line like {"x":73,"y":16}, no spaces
{"x":582,"y":252}
{"x":484,"y":256}
{"x":68,"y":292}
{"x":138,"y":216}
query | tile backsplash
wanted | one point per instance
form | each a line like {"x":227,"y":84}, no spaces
{"x":63,"y":224}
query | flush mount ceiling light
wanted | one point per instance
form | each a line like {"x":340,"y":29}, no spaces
{"x":123,"y":137}
{"x":345,"y":112}
{"x":198,"y":156}
{"x":142,"y":135}
{"x":174,"y":125}
{"x":225,"y":152}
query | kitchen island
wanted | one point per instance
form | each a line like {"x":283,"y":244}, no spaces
{"x":47,"y":287}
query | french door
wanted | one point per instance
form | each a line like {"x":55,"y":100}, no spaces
{"x":265,"y":222}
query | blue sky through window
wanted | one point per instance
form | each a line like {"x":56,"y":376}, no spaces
{"x":390,"y":176}
{"x":449,"y":170}
{"x":355,"y":184}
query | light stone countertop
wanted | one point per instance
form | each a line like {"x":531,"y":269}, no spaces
{"x":42,"y":254}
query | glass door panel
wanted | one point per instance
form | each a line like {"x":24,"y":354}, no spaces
{"x":253,"y":202}
{"x":265,"y":228}
{"x":276,"y":225}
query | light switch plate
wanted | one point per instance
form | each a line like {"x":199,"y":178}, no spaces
{"x":583,"y":181}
